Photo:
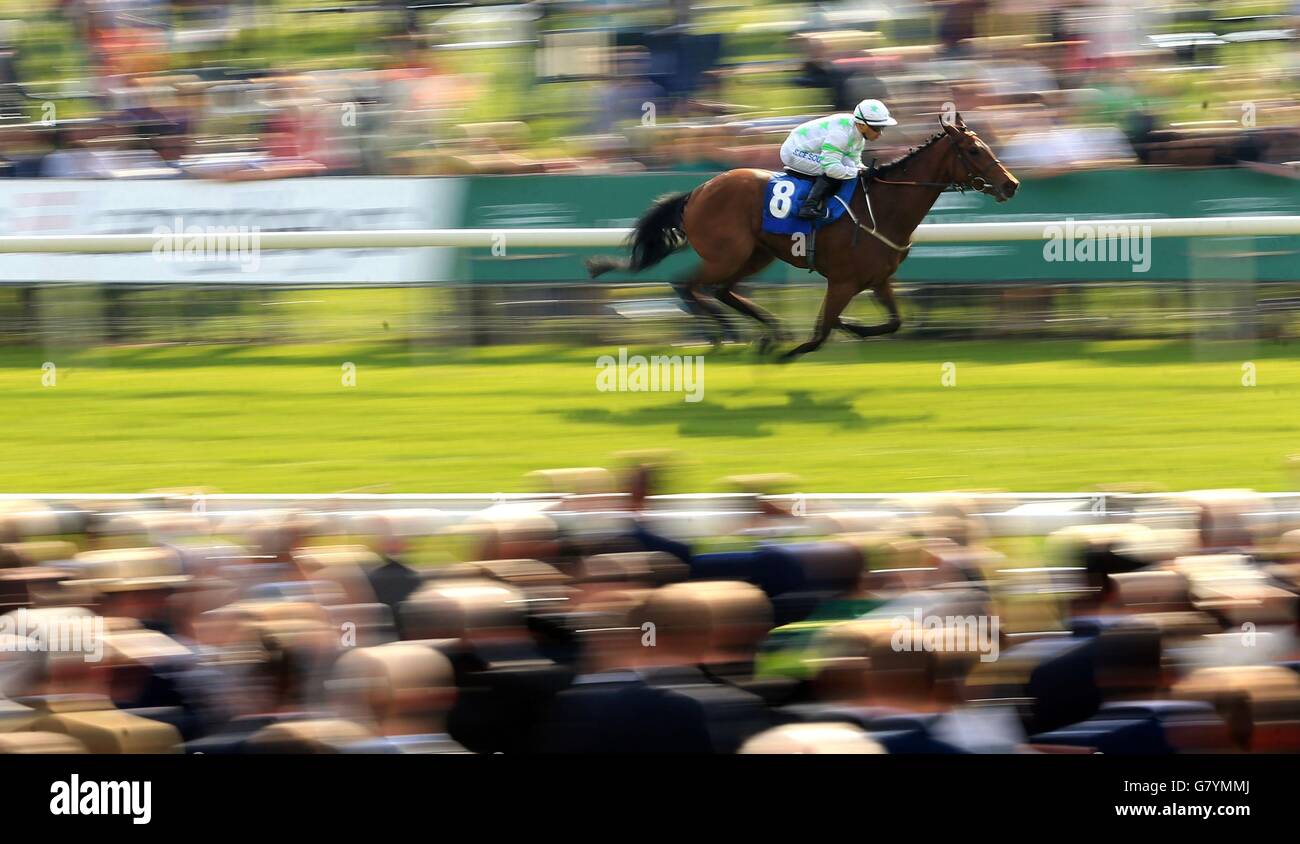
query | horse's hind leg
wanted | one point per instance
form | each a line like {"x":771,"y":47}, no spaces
{"x":727,"y":295}
{"x":774,"y":333}
{"x":698,"y":303}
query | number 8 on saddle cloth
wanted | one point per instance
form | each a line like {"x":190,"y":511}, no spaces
{"x":783,"y":196}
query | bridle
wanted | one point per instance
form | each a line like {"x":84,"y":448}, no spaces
{"x":974,"y":181}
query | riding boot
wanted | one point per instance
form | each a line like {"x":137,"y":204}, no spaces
{"x":814,"y":207}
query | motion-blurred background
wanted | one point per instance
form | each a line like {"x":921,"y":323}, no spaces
{"x":231,"y":90}
{"x":1122,"y":614}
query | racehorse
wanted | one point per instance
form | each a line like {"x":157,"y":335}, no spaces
{"x":722,"y":220}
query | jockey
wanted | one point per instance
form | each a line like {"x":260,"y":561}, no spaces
{"x":830,"y":148}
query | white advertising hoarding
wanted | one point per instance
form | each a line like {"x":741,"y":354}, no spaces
{"x":59,"y":206}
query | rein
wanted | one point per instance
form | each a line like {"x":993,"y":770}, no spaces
{"x":974,"y":182}
{"x":873,"y":231}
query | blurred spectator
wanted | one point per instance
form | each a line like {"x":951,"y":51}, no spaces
{"x":819,"y":73}
{"x":71,"y":156}
{"x":1046,"y":145}
{"x":958,"y":23}
{"x":628,"y":95}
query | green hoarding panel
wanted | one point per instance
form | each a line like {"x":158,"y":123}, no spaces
{"x":510,"y":202}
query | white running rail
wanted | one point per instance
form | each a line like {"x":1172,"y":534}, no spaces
{"x":608,"y":237}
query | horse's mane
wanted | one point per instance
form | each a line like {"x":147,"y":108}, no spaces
{"x":901,"y":162}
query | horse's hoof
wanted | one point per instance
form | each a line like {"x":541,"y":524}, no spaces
{"x":764,"y":345}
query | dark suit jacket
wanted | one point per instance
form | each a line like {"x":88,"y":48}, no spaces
{"x":774,"y":691}
{"x":673,"y":710}
{"x":504,"y":694}
{"x":393,"y":582}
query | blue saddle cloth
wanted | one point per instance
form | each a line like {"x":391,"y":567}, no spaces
{"x":785,"y":194}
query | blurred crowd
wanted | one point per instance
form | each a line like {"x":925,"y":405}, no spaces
{"x":244,"y":90}
{"x":599,"y":618}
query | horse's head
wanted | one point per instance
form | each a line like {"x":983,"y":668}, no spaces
{"x":975,"y":166}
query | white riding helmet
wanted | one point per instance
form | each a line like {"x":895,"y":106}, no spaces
{"x":873,"y":113}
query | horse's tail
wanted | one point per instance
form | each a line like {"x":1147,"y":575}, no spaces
{"x":656,"y":235}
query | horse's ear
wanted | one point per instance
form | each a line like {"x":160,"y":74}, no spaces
{"x":950,"y":128}
{"x":960,"y":124}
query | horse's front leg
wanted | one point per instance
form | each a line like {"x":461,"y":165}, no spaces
{"x":885,"y":296}
{"x":838,"y":295}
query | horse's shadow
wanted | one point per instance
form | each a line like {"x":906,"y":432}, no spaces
{"x":714,"y":417}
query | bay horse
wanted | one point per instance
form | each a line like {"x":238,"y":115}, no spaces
{"x":722,"y":220}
